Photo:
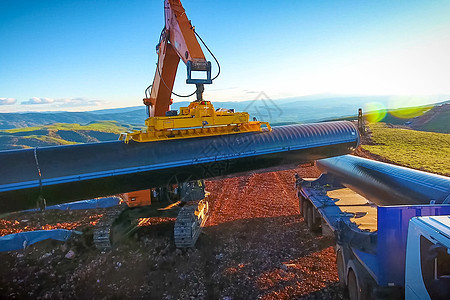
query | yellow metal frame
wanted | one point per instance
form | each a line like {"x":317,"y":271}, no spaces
{"x":198,"y":119}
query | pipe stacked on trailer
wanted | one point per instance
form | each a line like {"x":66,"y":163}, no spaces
{"x":66,"y":173}
{"x":386,"y":184}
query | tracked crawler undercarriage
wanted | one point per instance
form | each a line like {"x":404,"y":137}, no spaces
{"x":190,"y":221}
{"x":187,"y":202}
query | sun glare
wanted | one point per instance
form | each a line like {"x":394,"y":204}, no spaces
{"x":376,"y":111}
{"x":408,"y":107}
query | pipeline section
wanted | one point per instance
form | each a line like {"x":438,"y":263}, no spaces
{"x":386,"y":184}
{"x":67,"y":173}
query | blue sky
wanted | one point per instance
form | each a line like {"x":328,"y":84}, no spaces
{"x":85,"y":55}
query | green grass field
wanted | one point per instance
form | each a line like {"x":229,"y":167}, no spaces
{"x":60,"y":134}
{"x":428,"y":151}
{"x":103,"y":126}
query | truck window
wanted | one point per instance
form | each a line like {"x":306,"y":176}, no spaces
{"x":435,"y":265}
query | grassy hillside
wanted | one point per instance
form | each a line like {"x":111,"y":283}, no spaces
{"x":398,"y":116}
{"x":428,"y":151}
{"x":60,"y":134}
{"x":434,"y":118}
{"x":36,"y":119}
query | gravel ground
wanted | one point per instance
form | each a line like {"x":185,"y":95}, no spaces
{"x":255,"y":246}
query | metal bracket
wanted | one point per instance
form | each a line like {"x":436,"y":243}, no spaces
{"x":204,"y":66}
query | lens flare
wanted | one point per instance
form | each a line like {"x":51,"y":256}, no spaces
{"x":408,"y":107}
{"x":410,"y":112}
{"x":375,"y":111}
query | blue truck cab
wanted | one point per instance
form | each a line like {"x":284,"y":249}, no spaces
{"x":427,"y":273}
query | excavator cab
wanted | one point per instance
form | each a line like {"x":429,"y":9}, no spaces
{"x":191,"y":191}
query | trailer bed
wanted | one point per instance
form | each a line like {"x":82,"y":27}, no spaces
{"x":364,"y":212}
{"x":337,"y":203}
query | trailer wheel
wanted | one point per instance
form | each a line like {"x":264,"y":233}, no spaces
{"x":312,"y":222}
{"x":300,"y":204}
{"x":352,"y":286}
{"x":305,"y":204}
{"x":357,"y":286}
{"x":340,"y":267}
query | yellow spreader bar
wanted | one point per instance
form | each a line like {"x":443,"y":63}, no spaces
{"x":171,"y":134}
{"x":199,"y":119}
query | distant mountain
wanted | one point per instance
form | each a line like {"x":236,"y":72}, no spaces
{"x":19,"y":120}
{"x":116,"y":110}
{"x":283,"y":111}
{"x":60,"y":134}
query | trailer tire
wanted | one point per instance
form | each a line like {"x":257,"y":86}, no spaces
{"x":301,"y":200}
{"x":340,"y":267}
{"x":313,"y":225}
{"x":305,"y":204}
{"x":352,"y":286}
{"x":357,"y":285}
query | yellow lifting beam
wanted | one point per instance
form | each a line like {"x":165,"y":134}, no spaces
{"x":197,"y":120}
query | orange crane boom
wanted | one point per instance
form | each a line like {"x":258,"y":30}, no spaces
{"x":178,"y":40}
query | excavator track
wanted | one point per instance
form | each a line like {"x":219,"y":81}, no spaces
{"x":189,"y":223}
{"x":102,"y":230}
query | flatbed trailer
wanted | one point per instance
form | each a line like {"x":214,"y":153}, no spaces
{"x":371,"y":240}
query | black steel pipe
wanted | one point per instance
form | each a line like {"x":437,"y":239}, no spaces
{"x":88,"y":170}
{"x":387,"y":184}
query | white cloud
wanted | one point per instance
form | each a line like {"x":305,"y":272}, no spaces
{"x":7,"y":101}
{"x":79,"y":102}
{"x":36,"y":100}
{"x":63,"y":102}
